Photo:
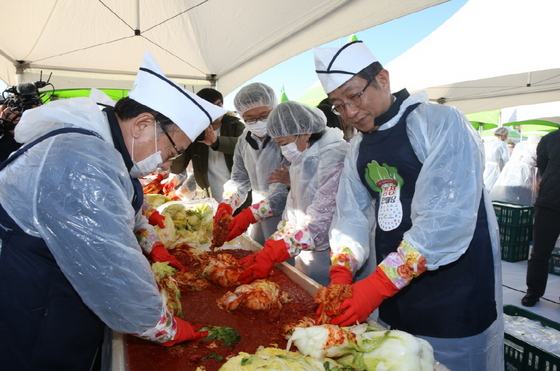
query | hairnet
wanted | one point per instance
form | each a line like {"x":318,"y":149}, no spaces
{"x":502,"y":131}
{"x":293,"y":118}
{"x":254,"y":95}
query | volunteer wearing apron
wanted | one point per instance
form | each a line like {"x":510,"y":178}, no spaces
{"x":316,"y":154}
{"x":255,"y":156}
{"x":70,"y":204}
{"x":413,"y":175}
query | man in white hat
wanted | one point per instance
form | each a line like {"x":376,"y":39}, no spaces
{"x":70,"y":206}
{"x":413,"y":175}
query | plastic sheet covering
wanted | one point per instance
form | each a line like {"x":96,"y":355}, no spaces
{"x":80,"y":204}
{"x":314,"y":182}
{"x":533,"y":332}
{"x":496,"y":157}
{"x":517,"y":183}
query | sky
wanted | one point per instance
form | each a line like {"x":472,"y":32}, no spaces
{"x":387,"y":41}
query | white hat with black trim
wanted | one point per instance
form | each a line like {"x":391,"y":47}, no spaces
{"x":335,"y":66}
{"x":187,"y":110}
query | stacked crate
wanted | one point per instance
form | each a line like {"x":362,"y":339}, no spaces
{"x":554,"y":265}
{"x":516,"y":230}
{"x":522,"y":356}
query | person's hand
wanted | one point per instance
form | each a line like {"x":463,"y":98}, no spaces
{"x":339,"y":275}
{"x":185,"y":332}
{"x":367,"y":295}
{"x":223,"y":209}
{"x":210,"y":136}
{"x":160,"y":254}
{"x":240,"y":223}
{"x":6,"y":114}
{"x":156,"y":219}
{"x":260,"y":264}
{"x":281,"y":175}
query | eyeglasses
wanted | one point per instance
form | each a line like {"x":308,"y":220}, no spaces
{"x":354,"y":101}
{"x":171,"y":140}
{"x":252,"y":121}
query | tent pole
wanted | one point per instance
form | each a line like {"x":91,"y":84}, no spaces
{"x":20,"y":68}
{"x":137,"y":30}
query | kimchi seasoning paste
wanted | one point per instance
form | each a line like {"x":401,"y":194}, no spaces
{"x":256,"y":328}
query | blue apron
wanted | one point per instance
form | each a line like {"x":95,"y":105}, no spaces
{"x":44,"y":324}
{"x":454,"y":301}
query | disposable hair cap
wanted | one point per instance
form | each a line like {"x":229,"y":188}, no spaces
{"x":254,"y":95}
{"x":502,"y":131}
{"x":293,"y":118}
{"x":188,"y":111}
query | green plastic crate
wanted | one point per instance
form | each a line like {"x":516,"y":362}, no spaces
{"x":520,"y":356}
{"x":513,"y":214}
{"x":515,"y":251}
{"x":516,"y":234}
{"x":554,"y":264}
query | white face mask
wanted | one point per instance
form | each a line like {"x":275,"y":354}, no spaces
{"x":147,"y":165}
{"x":291,"y":152}
{"x":258,"y":128}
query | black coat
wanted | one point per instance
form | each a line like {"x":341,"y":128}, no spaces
{"x":548,"y":163}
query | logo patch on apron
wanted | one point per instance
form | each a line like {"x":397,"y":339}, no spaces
{"x":386,"y":180}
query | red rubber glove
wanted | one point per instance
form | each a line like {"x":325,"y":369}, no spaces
{"x":185,"y":332}
{"x":261,"y":263}
{"x":340,"y":275}
{"x":156,"y":219}
{"x":160,"y":254}
{"x":368,"y":294}
{"x":240,"y":223}
{"x":223,"y":209}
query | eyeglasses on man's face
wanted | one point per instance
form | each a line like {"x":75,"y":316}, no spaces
{"x":260,"y":118}
{"x":353,"y":101}
{"x":177,"y":150}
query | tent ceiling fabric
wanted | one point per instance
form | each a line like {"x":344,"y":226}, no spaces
{"x":87,"y":43}
{"x":489,"y":55}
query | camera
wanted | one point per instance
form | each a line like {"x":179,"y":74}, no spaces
{"x":22,"y":97}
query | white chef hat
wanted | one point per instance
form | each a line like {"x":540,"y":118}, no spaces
{"x":188,"y":111}
{"x":335,"y":66}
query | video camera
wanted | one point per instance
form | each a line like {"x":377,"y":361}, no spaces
{"x":21,"y":97}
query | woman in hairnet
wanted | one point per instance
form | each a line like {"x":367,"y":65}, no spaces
{"x":496,"y":155}
{"x":255,"y":156}
{"x":413,"y":174}
{"x":316,"y":153}
{"x":70,"y":202}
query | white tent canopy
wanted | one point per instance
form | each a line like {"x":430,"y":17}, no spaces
{"x":87,"y":43}
{"x":489,"y":55}
{"x":543,"y":111}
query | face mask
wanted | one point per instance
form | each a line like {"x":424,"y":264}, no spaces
{"x":147,"y":165}
{"x":291,"y":152}
{"x":258,"y":128}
